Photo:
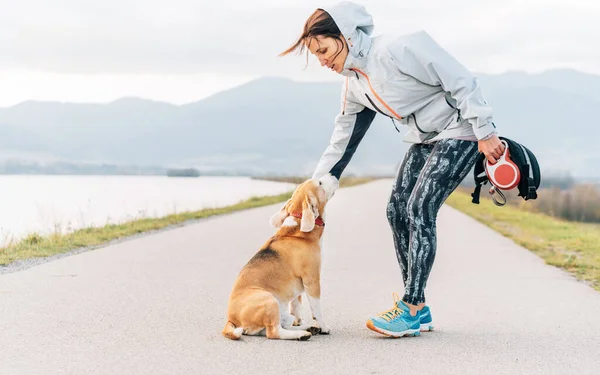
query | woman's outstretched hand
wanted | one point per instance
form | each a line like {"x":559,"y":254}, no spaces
{"x":492,"y":148}
{"x":330,"y":184}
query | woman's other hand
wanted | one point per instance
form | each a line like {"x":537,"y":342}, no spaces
{"x":492,"y":148}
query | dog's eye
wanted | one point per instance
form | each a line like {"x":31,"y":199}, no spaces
{"x":320,"y":183}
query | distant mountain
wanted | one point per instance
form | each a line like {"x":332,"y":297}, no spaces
{"x":278,"y":126}
{"x":564,"y":80}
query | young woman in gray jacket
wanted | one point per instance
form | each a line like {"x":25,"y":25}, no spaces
{"x":415,"y":82}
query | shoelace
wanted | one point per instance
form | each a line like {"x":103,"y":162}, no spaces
{"x":394,"y":312}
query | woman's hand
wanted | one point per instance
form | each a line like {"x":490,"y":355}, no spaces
{"x":492,"y":148}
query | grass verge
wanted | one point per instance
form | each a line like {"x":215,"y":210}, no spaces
{"x":35,"y":245}
{"x":572,"y":246}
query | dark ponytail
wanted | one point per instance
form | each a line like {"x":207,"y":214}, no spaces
{"x":321,"y":24}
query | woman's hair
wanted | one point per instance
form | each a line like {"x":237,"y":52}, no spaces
{"x":319,"y":23}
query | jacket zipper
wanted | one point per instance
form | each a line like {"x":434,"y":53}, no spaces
{"x":380,"y":111}
{"x":397,"y":116}
{"x":416,"y":124}
{"x":375,"y":106}
{"x":383,"y":113}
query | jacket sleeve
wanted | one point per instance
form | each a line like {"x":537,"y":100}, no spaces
{"x":350,"y":126}
{"x":419,"y":56}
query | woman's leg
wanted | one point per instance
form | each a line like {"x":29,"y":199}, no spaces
{"x":397,"y":214}
{"x":429,"y":173}
{"x":450,"y":161}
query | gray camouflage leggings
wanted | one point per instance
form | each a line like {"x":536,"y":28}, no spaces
{"x":427,"y":176}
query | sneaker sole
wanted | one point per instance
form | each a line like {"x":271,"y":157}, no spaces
{"x":409,"y":332}
{"x":427,"y":327}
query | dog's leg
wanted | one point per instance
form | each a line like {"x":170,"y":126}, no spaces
{"x":264,"y":318}
{"x":277,"y":332}
{"x":313,"y":291}
{"x":275,"y":318}
{"x":260,"y":331}
{"x":299,"y":324}
{"x":295,"y":311}
{"x":287,"y":321}
{"x":286,"y":318}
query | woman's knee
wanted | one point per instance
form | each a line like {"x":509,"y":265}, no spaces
{"x":396,"y":208}
{"x":420,"y":210}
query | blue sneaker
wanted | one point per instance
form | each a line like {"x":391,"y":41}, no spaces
{"x":397,"y":321}
{"x":426,"y":320}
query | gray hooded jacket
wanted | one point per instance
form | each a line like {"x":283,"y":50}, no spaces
{"x":410,"y":79}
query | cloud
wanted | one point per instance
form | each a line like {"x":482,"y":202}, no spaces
{"x":244,"y":37}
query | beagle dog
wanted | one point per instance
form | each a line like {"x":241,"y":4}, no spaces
{"x":266,"y":295}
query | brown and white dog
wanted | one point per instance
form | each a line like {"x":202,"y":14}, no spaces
{"x":288,"y":264}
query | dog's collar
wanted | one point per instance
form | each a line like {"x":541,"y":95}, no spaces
{"x":318,"y":221}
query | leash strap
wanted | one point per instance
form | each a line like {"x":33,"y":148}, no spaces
{"x":494,"y":192}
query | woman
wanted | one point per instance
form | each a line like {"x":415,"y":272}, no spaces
{"x":412,"y":80}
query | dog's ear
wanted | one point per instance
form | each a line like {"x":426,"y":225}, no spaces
{"x":277,"y":219}
{"x":310,"y":212}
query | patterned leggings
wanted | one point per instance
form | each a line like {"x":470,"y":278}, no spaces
{"x":427,"y":176}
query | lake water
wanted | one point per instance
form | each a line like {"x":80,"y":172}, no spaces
{"x":44,"y":204}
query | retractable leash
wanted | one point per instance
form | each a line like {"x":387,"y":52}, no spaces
{"x":517,"y":168}
{"x":504,"y":175}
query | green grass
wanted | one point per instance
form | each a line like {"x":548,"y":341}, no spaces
{"x":35,"y":245}
{"x":572,"y":246}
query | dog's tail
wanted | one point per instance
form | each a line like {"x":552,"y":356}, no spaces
{"x":231,"y":332}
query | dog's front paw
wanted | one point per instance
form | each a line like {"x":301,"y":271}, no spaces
{"x":324,"y":330}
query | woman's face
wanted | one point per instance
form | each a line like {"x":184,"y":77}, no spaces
{"x":331,"y":52}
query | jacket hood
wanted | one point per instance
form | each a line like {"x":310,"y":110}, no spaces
{"x":356,"y":25}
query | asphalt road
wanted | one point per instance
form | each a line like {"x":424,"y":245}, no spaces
{"x":156,"y":304}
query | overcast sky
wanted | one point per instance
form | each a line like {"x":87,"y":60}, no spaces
{"x":183,"y":50}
